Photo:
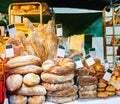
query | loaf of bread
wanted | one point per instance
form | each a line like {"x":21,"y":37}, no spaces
{"x":31,"y":91}
{"x":71,"y":90}
{"x":25,"y":69}
{"x":61,"y":100}
{"x":87,"y":80}
{"x":53,"y":78}
{"x":31,"y":79}
{"x":18,"y":99}
{"x":14,"y":82}
{"x":88,"y":94}
{"x":57,"y":87}
{"x":36,"y":100}
{"x":23,"y":60}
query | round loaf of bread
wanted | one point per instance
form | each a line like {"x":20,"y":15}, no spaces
{"x":31,"y":79}
{"x":53,"y":78}
{"x":55,"y":87}
{"x":18,"y":99}
{"x":110,"y":88}
{"x":14,"y":82}
{"x":61,"y":100}
{"x":59,"y":66}
{"x":22,"y":61}
{"x":36,"y":100}
{"x":88,"y":94}
{"x":71,"y":90}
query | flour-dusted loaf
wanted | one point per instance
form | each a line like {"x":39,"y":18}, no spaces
{"x":53,"y":78}
{"x":31,"y":91}
{"x":18,"y":99}
{"x":36,"y":100}
{"x":60,"y":86}
{"x":25,"y":69}
{"x":23,"y":60}
{"x":71,"y":90}
{"x":14,"y":82}
{"x":61,"y":100}
{"x":31,"y":79}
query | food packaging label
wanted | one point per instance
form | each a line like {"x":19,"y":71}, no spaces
{"x":106,"y":64}
{"x":59,"y":30}
{"x":61,"y":51}
{"x":108,"y":75}
{"x":9,"y":50}
{"x":12,"y":30}
{"x":92,"y":52}
{"x":78,"y":62}
{"x":89,"y":60}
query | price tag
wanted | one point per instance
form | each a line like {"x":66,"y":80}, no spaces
{"x":117,"y":59}
{"x":61,"y":51}
{"x":90,"y":61}
{"x":9,"y":50}
{"x":78,"y":62}
{"x":2,"y":56}
{"x":12,"y":30}
{"x":108,"y":75}
{"x":92,"y":52}
{"x":59,"y":30}
{"x":106,"y":64}
{"x":18,"y":19}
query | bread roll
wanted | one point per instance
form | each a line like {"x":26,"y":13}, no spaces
{"x":18,"y":99}
{"x":110,"y":88}
{"x":23,"y":60}
{"x":82,"y":72}
{"x":31,"y":91}
{"x":14,"y":82}
{"x":102,"y":94}
{"x":25,"y":69}
{"x":36,"y":100}
{"x":55,"y":87}
{"x":61,"y":100}
{"x":31,"y":79}
{"x":71,"y":90}
{"x":53,"y":78}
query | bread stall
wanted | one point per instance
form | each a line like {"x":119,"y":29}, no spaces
{"x":36,"y":74}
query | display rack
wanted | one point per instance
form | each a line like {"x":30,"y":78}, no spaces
{"x":35,"y":15}
{"x":111,"y":32}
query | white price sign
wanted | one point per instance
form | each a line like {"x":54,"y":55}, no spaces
{"x":61,"y":51}
{"x":78,"y":62}
{"x":9,"y":50}
{"x":108,"y":75}
{"x":12,"y":30}
{"x":92,"y":52}
{"x":90,"y":61}
{"x":59,"y":30}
